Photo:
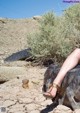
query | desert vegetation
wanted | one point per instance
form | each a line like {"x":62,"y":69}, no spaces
{"x":57,"y":35}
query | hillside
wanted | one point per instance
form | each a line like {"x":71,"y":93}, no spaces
{"x":13,"y":34}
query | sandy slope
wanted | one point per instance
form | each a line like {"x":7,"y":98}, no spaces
{"x":13,"y":34}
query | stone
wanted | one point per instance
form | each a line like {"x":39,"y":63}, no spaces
{"x":62,"y":109}
{"x":8,"y":73}
{"x":25,"y":83}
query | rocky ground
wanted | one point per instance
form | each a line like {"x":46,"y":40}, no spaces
{"x":14,"y":98}
{"x":13,"y":34}
{"x":17,"y":99}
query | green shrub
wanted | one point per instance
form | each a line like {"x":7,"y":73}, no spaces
{"x":72,"y":17}
{"x":58,"y":36}
{"x":41,"y":42}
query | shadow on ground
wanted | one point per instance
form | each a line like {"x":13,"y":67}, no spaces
{"x":23,"y":54}
{"x":49,"y":108}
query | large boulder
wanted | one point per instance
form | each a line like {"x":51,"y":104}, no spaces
{"x":7,"y":73}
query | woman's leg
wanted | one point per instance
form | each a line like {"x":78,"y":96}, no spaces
{"x":71,"y":61}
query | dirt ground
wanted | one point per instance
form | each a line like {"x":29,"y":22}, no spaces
{"x":14,"y":98}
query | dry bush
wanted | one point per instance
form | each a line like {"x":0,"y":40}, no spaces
{"x":58,"y":36}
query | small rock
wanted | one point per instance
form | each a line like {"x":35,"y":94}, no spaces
{"x":37,"y":17}
{"x":62,"y":109}
{"x":25,"y":83}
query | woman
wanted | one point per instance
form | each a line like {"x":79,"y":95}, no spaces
{"x":72,"y":60}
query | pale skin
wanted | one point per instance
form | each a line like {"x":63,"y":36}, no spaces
{"x":72,"y":60}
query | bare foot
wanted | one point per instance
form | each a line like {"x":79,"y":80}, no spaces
{"x":51,"y":93}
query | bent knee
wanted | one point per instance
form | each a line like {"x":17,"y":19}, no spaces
{"x":77,"y":52}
